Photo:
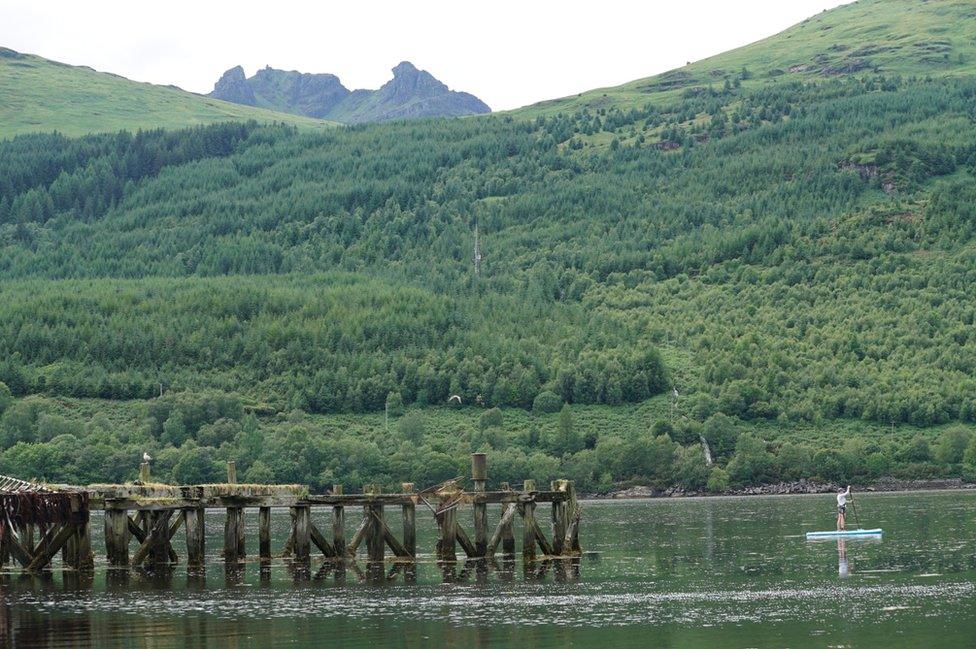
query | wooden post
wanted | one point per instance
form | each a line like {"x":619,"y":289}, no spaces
{"x":144,"y":472}
{"x":338,"y":525}
{"x":264,"y":533}
{"x":195,"y":537}
{"x":409,"y":523}
{"x":507,"y":530}
{"x":159,"y":548}
{"x":231,"y":472}
{"x":234,"y":534}
{"x":559,"y":510}
{"x":448,"y":521}
{"x":375,"y":543}
{"x":300,"y":517}
{"x":117,"y":537}
{"x":528,"y":524}
{"x":85,"y":559}
{"x":479,"y":476}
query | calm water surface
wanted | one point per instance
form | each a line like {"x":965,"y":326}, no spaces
{"x":709,"y":573}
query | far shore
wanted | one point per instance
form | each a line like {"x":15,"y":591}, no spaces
{"x":795,"y":488}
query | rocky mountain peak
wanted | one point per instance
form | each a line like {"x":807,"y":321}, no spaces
{"x":232,"y":86}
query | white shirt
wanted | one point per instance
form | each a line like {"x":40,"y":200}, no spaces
{"x":842,"y":498}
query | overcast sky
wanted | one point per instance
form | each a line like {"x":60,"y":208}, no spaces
{"x":508,"y":52}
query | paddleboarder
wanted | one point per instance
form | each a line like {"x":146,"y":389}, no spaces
{"x":842,"y":507}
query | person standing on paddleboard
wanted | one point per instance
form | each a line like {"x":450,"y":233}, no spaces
{"x":842,"y":508}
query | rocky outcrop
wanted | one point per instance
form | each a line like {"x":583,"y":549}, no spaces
{"x":233,"y":87}
{"x":790,"y":488}
{"x":410,"y":94}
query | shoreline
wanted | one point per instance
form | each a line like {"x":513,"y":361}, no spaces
{"x":795,"y":488}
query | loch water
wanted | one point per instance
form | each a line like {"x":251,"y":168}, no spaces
{"x":704,"y":573}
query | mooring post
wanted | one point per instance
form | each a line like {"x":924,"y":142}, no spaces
{"x":301,"y":532}
{"x":264,"y":533}
{"x":195,"y":537}
{"x":338,"y":524}
{"x":375,"y":544}
{"x":144,"y":472}
{"x":528,"y":523}
{"x":479,"y":477}
{"x":234,"y":525}
{"x":559,"y":521}
{"x":117,"y":537}
{"x":409,"y":523}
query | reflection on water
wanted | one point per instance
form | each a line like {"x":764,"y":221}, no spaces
{"x":732,"y":572}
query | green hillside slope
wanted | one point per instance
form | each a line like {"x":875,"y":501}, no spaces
{"x":891,"y":37}
{"x":795,"y":257}
{"x":41,"y":95}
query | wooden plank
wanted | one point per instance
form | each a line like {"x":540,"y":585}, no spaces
{"x":264,"y":533}
{"x":496,"y":537}
{"x":323,"y":545}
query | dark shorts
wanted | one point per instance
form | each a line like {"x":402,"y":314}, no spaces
{"x":841,"y":509}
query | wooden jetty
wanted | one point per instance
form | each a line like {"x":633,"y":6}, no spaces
{"x":152,"y":514}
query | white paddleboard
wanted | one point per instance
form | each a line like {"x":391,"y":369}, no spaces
{"x":841,"y":534}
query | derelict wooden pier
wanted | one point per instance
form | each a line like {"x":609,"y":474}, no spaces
{"x":142,"y":521}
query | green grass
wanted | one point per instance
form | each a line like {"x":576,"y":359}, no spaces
{"x":905,"y":37}
{"x":41,"y":95}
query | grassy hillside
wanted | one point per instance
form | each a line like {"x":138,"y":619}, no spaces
{"x":41,"y":95}
{"x":795,"y":256}
{"x":890,"y":37}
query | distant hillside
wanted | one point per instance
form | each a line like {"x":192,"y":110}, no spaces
{"x":37,"y":94}
{"x":905,"y":37}
{"x":410,"y":94}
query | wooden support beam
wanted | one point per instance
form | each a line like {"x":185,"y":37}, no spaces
{"x":544,"y":544}
{"x":158,"y":536}
{"x":117,"y":537}
{"x":528,"y":524}
{"x":508,"y":530}
{"x":139,"y":533}
{"x":559,"y":521}
{"x":84,"y":557}
{"x":196,"y":537}
{"x":19,"y":549}
{"x":358,"y":535}
{"x":264,"y":533}
{"x":409,"y":523}
{"x":448,"y":526}
{"x":504,"y":523}
{"x":338,"y":525}
{"x":465,"y":542}
{"x":375,"y":544}
{"x":50,"y":545}
{"x":398,"y":548}
{"x":324,"y":546}
{"x":234,"y":534}
{"x":159,"y":550}
{"x":300,"y":524}
{"x":479,"y":476}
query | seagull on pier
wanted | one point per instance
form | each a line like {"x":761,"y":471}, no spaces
{"x":146,"y":457}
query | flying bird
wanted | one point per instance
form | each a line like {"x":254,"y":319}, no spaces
{"x":453,"y":398}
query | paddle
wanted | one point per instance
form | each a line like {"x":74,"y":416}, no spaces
{"x":854,"y":507}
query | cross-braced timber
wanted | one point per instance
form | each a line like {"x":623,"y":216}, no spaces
{"x":152,"y":514}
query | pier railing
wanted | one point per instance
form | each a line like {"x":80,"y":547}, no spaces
{"x":151,"y":514}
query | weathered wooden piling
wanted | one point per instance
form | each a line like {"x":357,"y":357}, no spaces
{"x":375,"y":541}
{"x":196,"y":537}
{"x":264,"y":533}
{"x":234,"y":549}
{"x":409,"y":522}
{"x":300,"y":518}
{"x":479,"y":477}
{"x":559,"y":519}
{"x":448,"y":529}
{"x":508,"y":530}
{"x":528,"y":523}
{"x":338,"y":524}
